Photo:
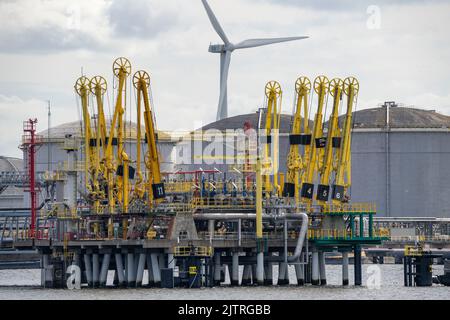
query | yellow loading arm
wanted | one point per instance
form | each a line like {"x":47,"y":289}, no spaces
{"x":273,"y":111}
{"x":351,"y":88}
{"x":98,"y":88}
{"x":156,"y":192}
{"x":121,"y":69}
{"x":299,"y":136}
{"x":317,"y":142}
{"x":82,"y":87}
{"x":332,"y":142}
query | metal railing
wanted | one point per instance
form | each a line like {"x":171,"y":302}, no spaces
{"x":356,"y":207}
{"x":244,"y":203}
{"x":184,"y":251}
{"x":437,"y":238}
{"x":335,"y":234}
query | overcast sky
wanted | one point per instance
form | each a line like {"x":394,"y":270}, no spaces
{"x":398,"y":50}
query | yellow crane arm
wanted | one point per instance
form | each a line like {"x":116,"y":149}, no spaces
{"x":317,"y":141}
{"x":351,"y":88}
{"x":298,"y":136}
{"x":332,"y":142}
{"x":82,"y":88}
{"x":156,"y":190}
{"x":121,"y":69}
{"x":98,"y":88}
{"x":273,"y":94}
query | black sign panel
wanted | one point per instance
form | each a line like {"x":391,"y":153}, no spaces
{"x":307,"y":190}
{"x":338,"y":192}
{"x":131,"y":171}
{"x":303,"y":139}
{"x":323,"y":192}
{"x":158,"y":190}
{"x":321,"y":142}
{"x":336,"y":141}
{"x":289,"y":189}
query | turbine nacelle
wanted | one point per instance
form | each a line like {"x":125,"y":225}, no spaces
{"x":217,"y":48}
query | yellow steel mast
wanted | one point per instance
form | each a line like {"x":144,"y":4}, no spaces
{"x":121,"y":69}
{"x":156,"y":192}
{"x":332,"y":142}
{"x":307,"y":191}
{"x":298,"y":136}
{"x":98,"y":89}
{"x":273,"y":94}
{"x":351,"y":88}
{"x":82,"y":87}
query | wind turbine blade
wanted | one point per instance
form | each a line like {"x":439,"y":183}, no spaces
{"x":251,"y":43}
{"x":215,"y":23}
{"x":222,"y":111}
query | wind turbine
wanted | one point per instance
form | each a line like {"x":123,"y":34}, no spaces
{"x":225,"y":51}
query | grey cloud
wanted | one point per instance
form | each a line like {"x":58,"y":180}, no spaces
{"x":45,"y":39}
{"x":139,"y":18}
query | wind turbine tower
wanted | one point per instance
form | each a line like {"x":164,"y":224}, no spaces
{"x":225,"y":51}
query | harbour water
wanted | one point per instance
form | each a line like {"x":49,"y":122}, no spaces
{"x":379,"y":282}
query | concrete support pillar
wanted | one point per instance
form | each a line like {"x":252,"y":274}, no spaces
{"x":140,"y":269}
{"x":253,"y":273}
{"x":345,"y":268}
{"x":315,"y":268}
{"x":156,"y":270}
{"x":136,"y":264}
{"x":358,"y":267}
{"x":115,"y":279}
{"x":322,"y":270}
{"x":235,"y":269}
{"x":268,"y":273}
{"x":88,"y":267}
{"x":131,"y":279}
{"x":151,"y":282}
{"x":211,"y":226}
{"x":247,"y":275}
{"x":125,"y":268}
{"x":76,"y":259}
{"x":260,"y":268}
{"x":95,"y":270}
{"x":283,"y":275}
{"x":119,"y":269}
{"x":171,"y":261}
{"x":162,"y":260}
{"x":46,"y":272}
{"x":300,"y":273}
{"x":217,"y":268}
{"x":104,"y":270}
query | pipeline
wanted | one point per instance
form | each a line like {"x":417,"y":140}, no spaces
{"x":26,"y":209}
{"x":301,"y":237}
{"x":234,"y":216}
